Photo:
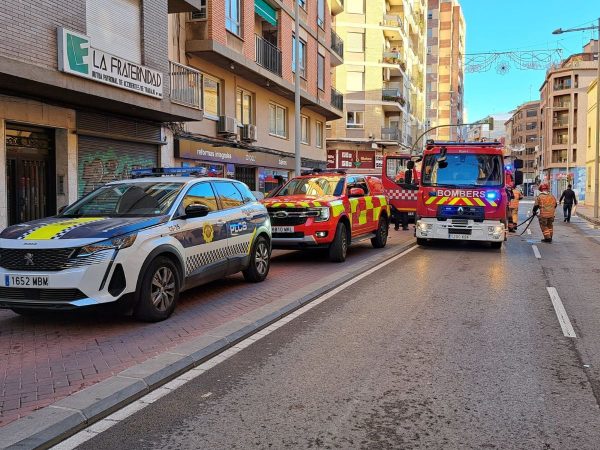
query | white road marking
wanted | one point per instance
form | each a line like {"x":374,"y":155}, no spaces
{"x":563,"y":319}
{"x":536,"y":251}
{"x":124,"y":413}
{"x":528,"y":231}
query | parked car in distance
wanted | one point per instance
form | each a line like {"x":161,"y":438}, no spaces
{"x":329,"y":210}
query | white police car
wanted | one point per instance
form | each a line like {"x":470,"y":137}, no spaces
{"x":142,"y":241}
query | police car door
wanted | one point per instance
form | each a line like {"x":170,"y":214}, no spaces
{"x":240,"y":229}
{"x":204,"y":238}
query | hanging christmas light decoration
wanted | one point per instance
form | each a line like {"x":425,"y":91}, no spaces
{"x":503,"y":61}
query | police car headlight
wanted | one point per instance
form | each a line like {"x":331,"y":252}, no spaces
{"x":323,"y":215}
{"x":116,"y":243}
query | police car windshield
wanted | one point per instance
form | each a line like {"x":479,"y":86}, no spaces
{"x":314,"y":187}
{"x":126,"y":200}
{"x":463,"y":170}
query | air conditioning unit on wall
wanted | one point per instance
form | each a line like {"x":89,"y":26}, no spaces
{"x":249,"y":133}
{"x":227,"y":126}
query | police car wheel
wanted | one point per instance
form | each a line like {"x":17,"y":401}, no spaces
{"x":27,"y":311}
{"x":260,"y":261}
{"x":159,"y":291}
{"x":339,"y":246}
{"x":381,"y":234}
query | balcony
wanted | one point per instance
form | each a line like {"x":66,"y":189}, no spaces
{"x":560,"y":140}
{"x":561,"y":86}
{"x":186,"y":85}
{"x":267,"y":55}
{"x":560,"y":122}
{"x":391,"y":134}
{"x":337,"y":99}
{"x":337,"y":45}
{"x":392,"y":26}
{"x":561,"y":105}
{"x":392,"y":98}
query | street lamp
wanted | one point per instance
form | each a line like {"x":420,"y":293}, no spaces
{"x":597,"y":155}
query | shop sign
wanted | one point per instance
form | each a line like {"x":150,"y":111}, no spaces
{"x":205,"y":152}
{"x":77,"y":57}
{"x":331,"y":156}
{"x":379,"y":161}
{"x":365,"y":160}
{"x":345,"y":159}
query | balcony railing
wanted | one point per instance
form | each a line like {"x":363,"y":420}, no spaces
{"x":392,"y":95}
{"x":392,"y":20}
{"x":562,"y":104}
{"x":392,"y":57}
{"x":390,"y":134}
{"x":337,"y":99}
{"x":337,"y":44}
{"x":560,"y":86}
{"x":560,"y":140}
{"x":267,"y":55}
{"x":186,"y":85}
{"x":560,"y":122}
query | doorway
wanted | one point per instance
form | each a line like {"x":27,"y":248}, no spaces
{"x":30,"y":173}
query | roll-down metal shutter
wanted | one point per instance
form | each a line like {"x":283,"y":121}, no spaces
{"x":115,"y":27}
{"x":103,"y":160}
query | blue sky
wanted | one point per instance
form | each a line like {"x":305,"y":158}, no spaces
{"x":504,"y":25}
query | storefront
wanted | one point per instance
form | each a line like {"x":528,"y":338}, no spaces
{"x":260,"y":170}
{"x":361,"y":161}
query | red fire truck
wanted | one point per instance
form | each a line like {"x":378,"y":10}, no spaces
{"x":462,"y":193}
{"x":400,"y":191}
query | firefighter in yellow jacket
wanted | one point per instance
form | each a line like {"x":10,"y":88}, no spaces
{"x":513,"y":210}
{"x":545,"y":203}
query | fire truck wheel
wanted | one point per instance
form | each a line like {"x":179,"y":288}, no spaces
{"x":339,"y":246}
{"x":496,"y":245}
{"x":422,"y":242}
{"x":381,"y":234}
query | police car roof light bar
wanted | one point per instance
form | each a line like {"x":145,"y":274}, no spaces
{"x":173,"y":171}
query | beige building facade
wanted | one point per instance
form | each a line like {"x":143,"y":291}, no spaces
{"x":591,"y":150}
{"x":446,"y":33}
{"x":523,"y":137}
{"x":563,"y":120}
{"x":382,"y":80}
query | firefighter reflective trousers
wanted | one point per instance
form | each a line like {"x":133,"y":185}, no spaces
{"x":513,"y":218}
{"x":547,"y":226}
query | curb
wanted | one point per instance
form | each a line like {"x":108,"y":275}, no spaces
{"x":588,"y":218}
{"x":54,"y":423}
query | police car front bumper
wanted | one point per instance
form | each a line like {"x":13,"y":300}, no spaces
{"x":486,"y":231}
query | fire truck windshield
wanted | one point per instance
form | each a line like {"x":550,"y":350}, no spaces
{"x":463,"y":170}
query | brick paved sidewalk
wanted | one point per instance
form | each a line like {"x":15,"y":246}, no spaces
{"x":51,"y":356}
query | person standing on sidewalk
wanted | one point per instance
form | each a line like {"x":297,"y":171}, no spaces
{"x":570,"y":198}
{"x":546,"y":204}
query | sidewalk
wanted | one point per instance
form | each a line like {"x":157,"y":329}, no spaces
{"x":60,"y":373}
{"x":587,"y":213}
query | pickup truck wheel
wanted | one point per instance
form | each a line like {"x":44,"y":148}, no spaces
{"x":159,"y":291}
{"x":339,"y":246}
{"x":381,"y":234}
{"x":260,"y":261}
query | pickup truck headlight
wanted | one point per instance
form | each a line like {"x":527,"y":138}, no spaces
{"x":116,"y":243}
{"x":323,"y":214}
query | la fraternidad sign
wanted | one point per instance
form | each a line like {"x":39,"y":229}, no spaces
{"x":77,"y":57}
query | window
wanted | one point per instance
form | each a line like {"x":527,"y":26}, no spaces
{"x":211,"y":96}
{"x":200,"y":194}
{"x":232,"y":16}
{"x":304,"y":130}
{"x":230,"y":197}
{"x":243,"y":109}
{"x":321,"y":13}
{"x":319,"y":126}
{"x":531,"y":113}
{"x":247,"y":195}
{"x":355,"y":81}
{"x":302,"y":4}
{"x":201,"y":14}
{"x":589,"y":140}
{"x":574,"y":155}
{"x":531,"y":126}
{"x":430,"y":15}
{"x":277,"y":120}
{"x":302,"y":59}
{"x":109,"y":31}
{"x":355,"y":42}
{"x":559,"y":156}
{"x":321,"y":72}
{"x":356,"y":7}
{"x":354,"y":119}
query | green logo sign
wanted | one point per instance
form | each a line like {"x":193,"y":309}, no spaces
{"x":76,"y":52}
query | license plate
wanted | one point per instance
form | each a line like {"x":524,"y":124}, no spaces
{"x":459,"y":236}
{"x":282,"y":229}
{"x":26,"y":281}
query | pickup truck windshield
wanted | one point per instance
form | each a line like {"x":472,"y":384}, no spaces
{"x":463,"y":170}
{"x":315,"y":187}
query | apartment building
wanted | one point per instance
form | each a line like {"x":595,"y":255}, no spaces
{"x":523,"y":137}
{"x":382,"y":81}
{"x":85,"y":88}
{"x":591,"y":148}
{"x":446,"y":32}
{"x":244,"y":60}
{"x":563,"y":104}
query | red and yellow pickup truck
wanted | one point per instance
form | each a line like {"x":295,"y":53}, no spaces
{"x":329,"y":210}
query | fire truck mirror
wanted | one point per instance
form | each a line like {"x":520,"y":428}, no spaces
{"x":518,"y":177}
